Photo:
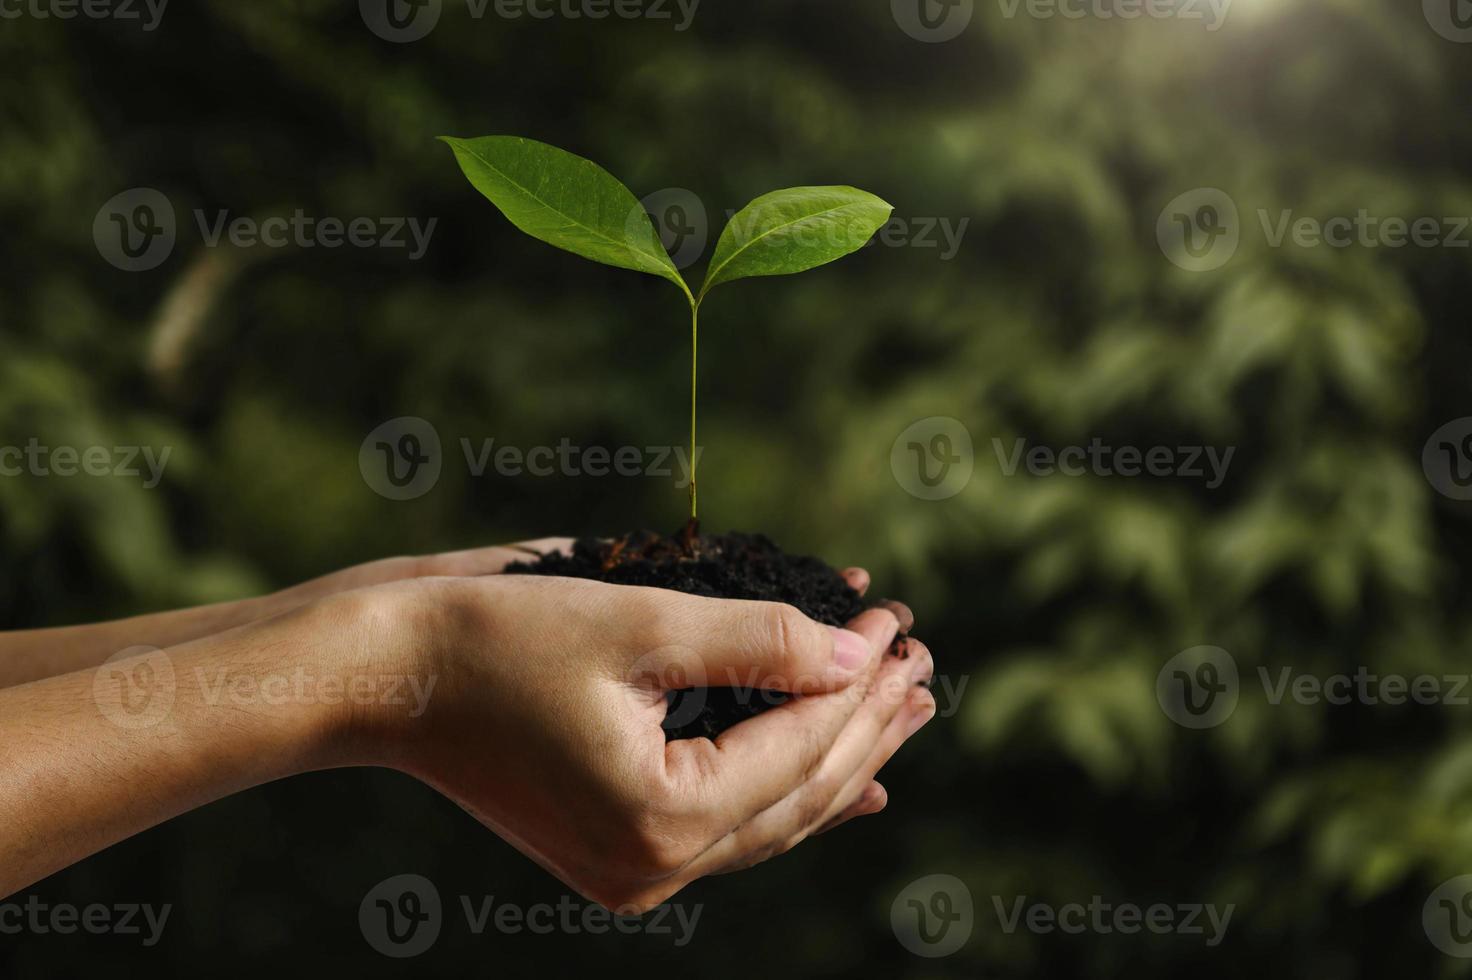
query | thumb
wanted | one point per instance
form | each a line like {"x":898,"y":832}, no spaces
{"x":748,"y":644}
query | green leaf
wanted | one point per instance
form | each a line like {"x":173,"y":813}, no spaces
{"x":795,"y":230}
{"x":566,"y":201}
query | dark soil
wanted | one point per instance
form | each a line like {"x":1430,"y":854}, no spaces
{"x":725,"y":566}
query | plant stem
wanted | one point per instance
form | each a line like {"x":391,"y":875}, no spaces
{"x":694,"y":360}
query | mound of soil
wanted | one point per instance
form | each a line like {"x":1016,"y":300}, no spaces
{"x":723,"y":566}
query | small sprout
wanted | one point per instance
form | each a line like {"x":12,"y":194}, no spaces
{"x":578,"y":206}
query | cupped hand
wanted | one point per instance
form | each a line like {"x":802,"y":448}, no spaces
{"x":546,"y":723}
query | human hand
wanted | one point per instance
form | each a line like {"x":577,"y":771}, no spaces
{"x":546,"y":724}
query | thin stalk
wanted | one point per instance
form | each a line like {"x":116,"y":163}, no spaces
{"x":694,"y":360}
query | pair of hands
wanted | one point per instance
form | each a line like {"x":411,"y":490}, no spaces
{"x":542,"y":716}
{"x":545,"y":722}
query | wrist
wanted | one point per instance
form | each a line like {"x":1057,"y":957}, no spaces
{"x":383,"y":665}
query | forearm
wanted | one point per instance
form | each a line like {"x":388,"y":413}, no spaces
{"x":30,"y":655}
{"x":94,"y":756}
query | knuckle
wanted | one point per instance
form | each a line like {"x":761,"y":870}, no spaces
{"x":812,"y":749}
{"x":790,"y":634}
{"x":815,"y":802}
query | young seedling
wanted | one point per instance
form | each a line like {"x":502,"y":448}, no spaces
{"x":578,"y":206}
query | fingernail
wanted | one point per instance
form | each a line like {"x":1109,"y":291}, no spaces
{"x":850,"y":650}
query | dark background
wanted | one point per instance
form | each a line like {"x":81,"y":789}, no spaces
{"x":1058,"y":599}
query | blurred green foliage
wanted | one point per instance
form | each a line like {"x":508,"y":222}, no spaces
{"x":1059,"y":321}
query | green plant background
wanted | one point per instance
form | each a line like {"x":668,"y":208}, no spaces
{"x":1059,"y":320}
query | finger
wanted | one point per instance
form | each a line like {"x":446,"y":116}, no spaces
{"x":857,"y":579}
{"x":753,"y":765}
{"x":918,"y":711}
{"x":770,"y":646}
{"x":784,"y":823}
{"x":902,"y":612}
{"x":873,"y":799}
{"x":491,"y":561}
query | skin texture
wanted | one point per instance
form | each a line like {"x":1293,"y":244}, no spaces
{"x":539,"y":713}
